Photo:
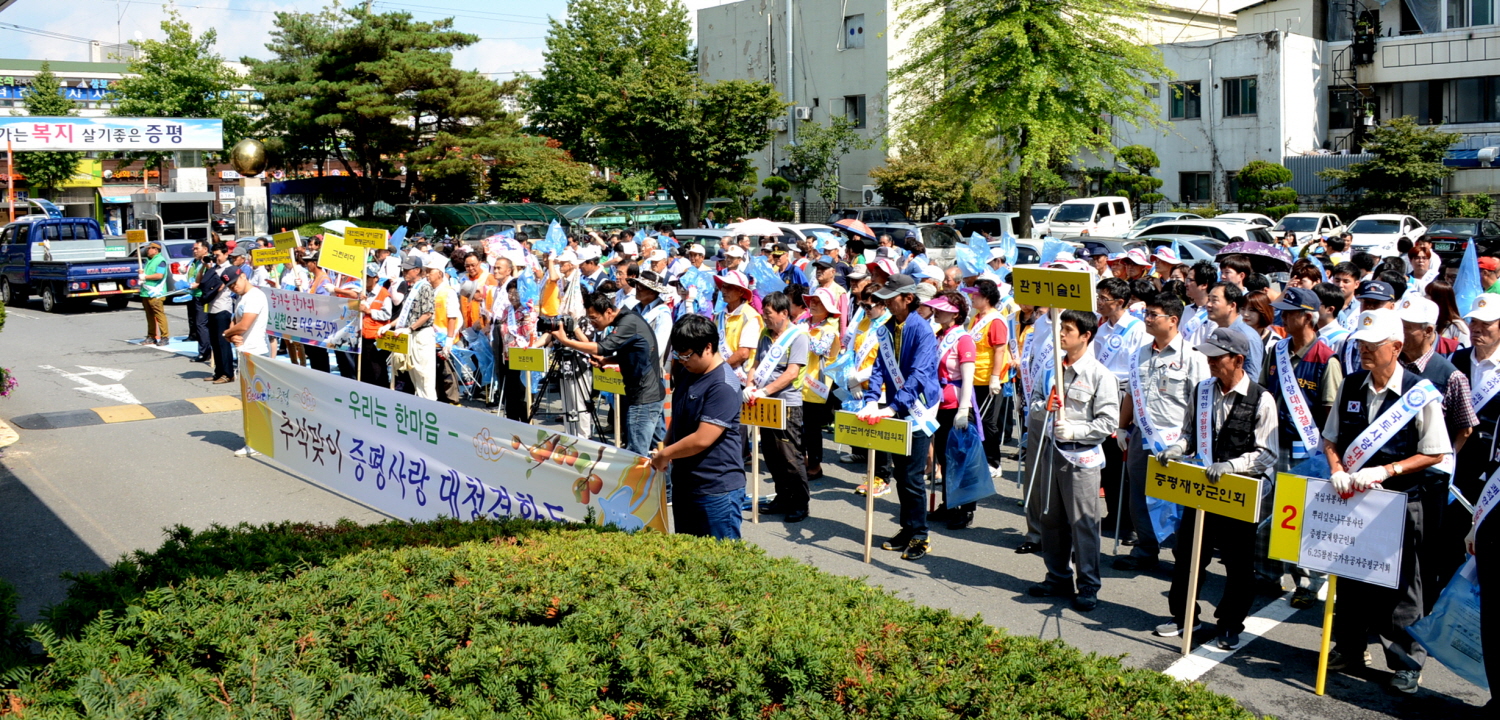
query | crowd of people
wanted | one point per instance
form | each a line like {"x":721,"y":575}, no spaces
{"x":1212,"y":363}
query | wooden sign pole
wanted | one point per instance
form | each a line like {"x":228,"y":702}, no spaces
{"x":1192,"y":589}
{"x":869,"y":503}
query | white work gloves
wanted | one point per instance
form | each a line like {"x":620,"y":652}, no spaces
{"x":1370,"y":477}
{"x":1343,"y":483}
{"x":1066,"y":431}
{"x":961,"y":421}
{"x":1469,"y":539}
{"x":1217,"y":470}
{"x":1122,"y":436}
{"x":750,"y":395}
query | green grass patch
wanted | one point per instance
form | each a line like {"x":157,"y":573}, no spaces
{"x":536,"y":621}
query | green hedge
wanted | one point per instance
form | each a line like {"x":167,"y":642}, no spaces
{"x":560,"y":623}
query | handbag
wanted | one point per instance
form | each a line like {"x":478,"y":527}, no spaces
{"x":966,"y":472}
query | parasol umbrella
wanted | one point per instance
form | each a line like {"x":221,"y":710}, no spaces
{"x":856,"y":227}
{"x":338,"y":226}
{"x":758,"y":226}
{"x":1264,"y":258}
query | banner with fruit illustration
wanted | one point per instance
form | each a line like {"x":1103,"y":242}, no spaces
{"x":420,"y":459}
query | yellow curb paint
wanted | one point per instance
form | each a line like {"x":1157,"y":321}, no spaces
{"x":217,"y":403}
{"x":8,"y":435}
{"x":123,"y":413}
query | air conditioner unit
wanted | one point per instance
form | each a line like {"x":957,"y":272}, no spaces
{"x":870,"y":195}
{"x":777,"y":124}
{"x":804,"y":113}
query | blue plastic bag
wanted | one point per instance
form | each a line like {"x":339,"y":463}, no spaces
{"x":966,"y":472}
{"x":766,"y":278}
{"x":1451,"y":631}
{"x":1165,"y":516}
{"x":555,"y":242}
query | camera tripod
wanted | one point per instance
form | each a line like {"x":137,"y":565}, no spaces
{"x":567,"y":371}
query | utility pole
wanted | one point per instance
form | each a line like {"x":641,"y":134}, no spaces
{"x":791,"y":82}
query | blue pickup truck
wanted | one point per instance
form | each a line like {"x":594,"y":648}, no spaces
{"x":65,"y":261}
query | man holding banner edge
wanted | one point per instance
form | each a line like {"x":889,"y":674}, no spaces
{"x":1386,"y":430}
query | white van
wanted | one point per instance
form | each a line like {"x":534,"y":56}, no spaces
{"x":1107,"y":216}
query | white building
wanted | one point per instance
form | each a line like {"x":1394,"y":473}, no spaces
{"x":840,"y":56}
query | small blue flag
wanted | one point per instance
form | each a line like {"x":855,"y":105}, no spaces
{"x":1050,"y":249}
{"x":1009,"y":248}
{"x":766,"y":279}
{"x":1467,"y":287}
{"x":555,"y":242}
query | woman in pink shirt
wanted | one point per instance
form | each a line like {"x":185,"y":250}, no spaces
{"x":956,"y":353}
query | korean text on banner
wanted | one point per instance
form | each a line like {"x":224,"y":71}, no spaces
{"x":1359,"y":538}
{"x":270,"y":256}
{"x":398,"y":343}
{"x":136,"y":237}
{"x":420,"y":459}
{"x":111,"y":133}
{"x":768,"y":413}
{"x":1233,"y":496}
{"x":889,"y":435}
{"x":370,"y":238}
{"x":609,"y":380}
{"x":1061,"y":289}
{"x":286,"y":240}
{"x":528,"y":359}
{"x":1287,"y":516}
{"x":325,"y":321}
{"x":341,"y":257}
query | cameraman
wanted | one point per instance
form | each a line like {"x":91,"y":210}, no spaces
{"x":627,"y":340}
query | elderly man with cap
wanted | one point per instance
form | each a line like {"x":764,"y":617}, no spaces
{"x":1419,"y":357}
{"x":739,"y":325}
{"x":731,"y":258}
{"x":1386,"y":430}
{"x":651,"y":293}
{"x":418,"y":314}
{"x":590,"y":274}
{"x":1372,"y":295}
{"x":905,"y":373}
{"x":781,"y":260}
{"x":154,"y":275}
{"x":1240,"y":439}
{"x":826,"y":275}
{"x":390,"y":265}
{"x":1489,"y":274}
{"x":1303,"y":379}
{"x":1099,"y":262}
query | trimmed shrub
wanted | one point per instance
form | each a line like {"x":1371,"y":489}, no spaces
{"x":14,"y":650}
{"x":567,"y":624}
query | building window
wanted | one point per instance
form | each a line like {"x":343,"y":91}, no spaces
{"x":1476,"y":100}
{"x":1341,"y":107}
{"x":854,"y":110}
{"x":1232,"y":186}
{"x":1185,"y":101}
{"x":1195,"y":186}
{"x":1422,"y":101}
{"x":854,"y":32}
{"x":1239,"y":97}
{"x":1469,"y":13}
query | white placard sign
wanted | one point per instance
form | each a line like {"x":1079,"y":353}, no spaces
{"x":1359,"y":538}
{"x":112,"y":133}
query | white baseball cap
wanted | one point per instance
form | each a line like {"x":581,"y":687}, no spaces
{"x":568,"y":256}
{"x":628,"y":248}
{"x":1378,"y":326}
{"x":696,"y":248}
{"x":587,"y":253}
{"x":1486,"y":308}
{"x":657,"y":256}
{"x":734,"y":251}
{"x":434,"y":260}
{"x":1417,"y":309}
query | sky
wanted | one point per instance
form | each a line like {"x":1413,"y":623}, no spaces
{"x":513,"y":33}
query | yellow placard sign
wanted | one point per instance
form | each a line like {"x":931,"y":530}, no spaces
{"x":768,"y":413}
{"x":1286,"y":518}
{"x":136,"y":237}
{"x":1062,"y":289}
{"x":341,"y":257}
{"x":286,"y":240}
{"x":609,"y":380}
{"x":398,"y":343}
{"x":529,"y":359}
{"x":270,"y":256}
{"x":366,"y":237}
{"x":889,"y":435}
{"x":1233,"y":496}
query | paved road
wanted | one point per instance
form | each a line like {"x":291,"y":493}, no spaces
{"x":79,"y":498}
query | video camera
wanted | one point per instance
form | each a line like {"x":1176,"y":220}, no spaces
{"x":549,"y":323}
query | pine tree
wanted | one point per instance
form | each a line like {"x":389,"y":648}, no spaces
{"x":47,"y":170}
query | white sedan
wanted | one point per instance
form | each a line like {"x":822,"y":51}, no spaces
{"x":1378,"y":234}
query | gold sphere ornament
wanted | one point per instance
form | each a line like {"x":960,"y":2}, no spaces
{"x":248,"y":157}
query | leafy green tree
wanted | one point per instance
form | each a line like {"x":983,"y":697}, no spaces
{"x":1138,"y":184}
{"x":1262,"y":186}
{"x":819,"y":152}
{"x":538,"y":169}
{"x":774,"y":206}
{"x":620,"y":88}
{"x":1408,"y":162}
{"x":1470,"y":206}
{"x":47,"y":170}
{"x":366,"y":88}
{"x":181,"y":76}
{"x":1039,"y":76}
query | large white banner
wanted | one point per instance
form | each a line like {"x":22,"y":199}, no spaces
{"x":420,"y":459}
{"x":111,"y":133}
{"x":327,"y":321}
{"x":1358,"y":538}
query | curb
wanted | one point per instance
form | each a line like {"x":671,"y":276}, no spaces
{"x":8,"y":435}
{"x":124,"y":413}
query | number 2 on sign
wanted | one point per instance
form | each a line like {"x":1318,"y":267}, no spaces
{"x":1291,"y":514}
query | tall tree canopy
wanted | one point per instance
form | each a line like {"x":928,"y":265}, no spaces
{"x":620,"y":88}
{"x":1408,"y":162}
{"x":1044,"y":77}
{"x":47,"y":170}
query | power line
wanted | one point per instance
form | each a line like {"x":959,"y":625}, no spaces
{"x":45,"y":33}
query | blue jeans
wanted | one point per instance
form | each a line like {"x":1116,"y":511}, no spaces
{"x":715,"y":516}
{"x":644,"y":426}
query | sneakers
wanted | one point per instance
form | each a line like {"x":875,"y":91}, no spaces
{"x":1406,"y":681}
{"x":1027,"y":548}
{"x":1228,"y":641}
{"x":1086,"y":601}
{"x":1172,"y":629}
{"x":846,"y":458}
{"x":916,"y":549}
{"x":898,"y":543}
{"x":882,"y":488}
{"x":1047,"y":589}
{"x":1338,"y":661}
{"x":996,"y":473}
{"x":1304,"y":598}
{"x":246,"y":452}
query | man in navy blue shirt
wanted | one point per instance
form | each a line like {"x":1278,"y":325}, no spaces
{"x":704,"y":445}
{"x":906,"y":369}
{"x":790,"y":274}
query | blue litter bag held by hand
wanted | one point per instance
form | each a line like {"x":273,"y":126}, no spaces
{"x":1451,"y":631}
{"x":968,"y":472}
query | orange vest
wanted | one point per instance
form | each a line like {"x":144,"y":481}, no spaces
{"x":371,"y":327}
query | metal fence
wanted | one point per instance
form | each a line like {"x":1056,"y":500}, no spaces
{"x":1305,"y":169}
